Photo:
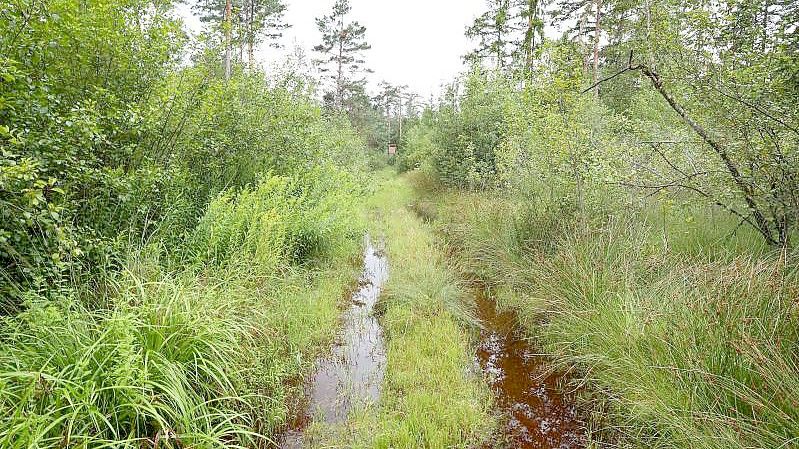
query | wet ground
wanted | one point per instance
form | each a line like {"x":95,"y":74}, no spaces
{"x":351,"y":376}
{"x":537,"y":414}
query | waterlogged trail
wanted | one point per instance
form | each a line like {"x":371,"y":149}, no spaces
{"x":417,"y":386}
{"x":352,"y":375}
{"x":537,"y":415}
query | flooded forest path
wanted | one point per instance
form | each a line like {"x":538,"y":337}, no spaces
{"x":350,"y":377}
{"x":424,"y":362}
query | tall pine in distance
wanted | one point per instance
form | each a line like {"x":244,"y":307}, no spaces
{"x":493,"y":31}
{"x":341,"y":53}
{"x":508,"y":34}
{"x":245,"y":24}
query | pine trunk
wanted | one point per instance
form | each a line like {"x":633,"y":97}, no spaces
{"x":597,"y":38}
{"x":228,"y":30}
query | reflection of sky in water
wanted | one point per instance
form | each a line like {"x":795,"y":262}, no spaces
{"x":351,"y":376}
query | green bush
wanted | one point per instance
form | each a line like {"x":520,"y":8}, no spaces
{"x":282,"y":220}
{"x":200,"y":357}
{"x":89,"y":164}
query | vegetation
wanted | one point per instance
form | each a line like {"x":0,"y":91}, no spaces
{"x":634,"y":211}
{"x":341,"y":50}
{"x":178,"y":223}
{"x":170,"y":264}
{"x":429,"y":397}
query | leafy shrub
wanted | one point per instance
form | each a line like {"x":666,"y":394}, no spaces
{"x":89,"y":164}
{"x":197,"y":358}
{"x":281,"y":220}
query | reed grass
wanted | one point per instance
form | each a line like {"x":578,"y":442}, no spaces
{"x":686,"y":332}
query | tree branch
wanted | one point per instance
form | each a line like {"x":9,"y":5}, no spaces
{"x":762,"y":224}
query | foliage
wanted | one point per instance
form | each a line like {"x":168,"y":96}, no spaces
{"x":509,"y":33}
{"x":70,"y":126}
{"x":108,"y":141}
{"x":642,"y":226}
{"x":681,"y":330}
{"x":162,"y":287}
{"x":341,"y":50}
{"x":253,"y":21}
{"x":293,"y":219}
{"x":197,"y":358}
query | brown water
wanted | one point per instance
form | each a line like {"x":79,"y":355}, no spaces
{"x":351,"y":376}
{"x":536,"y":412}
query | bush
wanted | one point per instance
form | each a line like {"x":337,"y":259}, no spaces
{"x":196,"y":358}
{"x":282,"y":220}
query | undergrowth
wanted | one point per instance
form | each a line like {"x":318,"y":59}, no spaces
{"x":198,"y":351}
{"x":686,"y":332}
{"x":431,"y":397}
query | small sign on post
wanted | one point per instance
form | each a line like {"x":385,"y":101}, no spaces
{"x":392,"y":149}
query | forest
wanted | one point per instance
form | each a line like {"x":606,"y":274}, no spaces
{"x":586,"y":238}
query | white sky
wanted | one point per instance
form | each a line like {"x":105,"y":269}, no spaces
{"x":419,"y":43}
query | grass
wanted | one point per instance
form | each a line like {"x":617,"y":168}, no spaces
{"x":688,"y":341}
{"x":431,"y":397}
{"x":205,"y":356}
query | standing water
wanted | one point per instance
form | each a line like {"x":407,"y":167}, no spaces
{"x":536,"y":413}
{"x":351,"y":376}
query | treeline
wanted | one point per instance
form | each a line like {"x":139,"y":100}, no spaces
{"x":699,"y":101}
{"x":174,"y":236}
{"x":631,"y":191}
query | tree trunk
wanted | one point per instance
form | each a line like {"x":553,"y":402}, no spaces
{"x":746,"y":190}
{"x":583,"y":45}
{"x":532,"y":16}
{"x":340,"y":74}
{"x":597,"y":37}
{"x":400,"y":121}
{"x":250,"y":34}
{"x":228,"y":29}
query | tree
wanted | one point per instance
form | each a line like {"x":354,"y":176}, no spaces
{"x":341,"y":49}
{"x":588,"y":16}
{"x":531,"y":13}
{"x":726,"y":90}
{"x":248,"y":24}
{"x":390,"y":101}
{"x":494,"y":31}
{"x":262,"y":20}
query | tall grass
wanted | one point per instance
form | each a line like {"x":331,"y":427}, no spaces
{"x":689,"y":337}
{"x":430,"y":398}
{"x":198,"y":357}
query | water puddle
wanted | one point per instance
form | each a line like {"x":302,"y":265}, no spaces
{"x":537,"y":414}
{"x":351,"y":376}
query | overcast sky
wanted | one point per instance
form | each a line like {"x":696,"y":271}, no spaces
{"x":414,"y":42}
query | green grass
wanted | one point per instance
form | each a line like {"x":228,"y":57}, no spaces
{"x":686,"y":342}
{"x":431,"y":398}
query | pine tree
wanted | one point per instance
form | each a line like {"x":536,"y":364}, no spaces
{"x":531,"y":15}
{"x":262,"y":20}
{"x":494,"y":30}
{"x":244,"y":23}
{"x":342,"y":47}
